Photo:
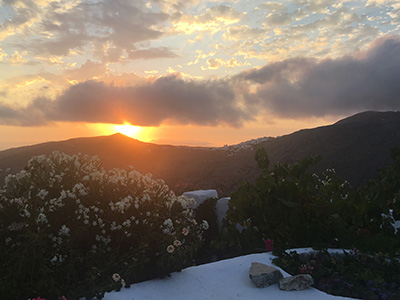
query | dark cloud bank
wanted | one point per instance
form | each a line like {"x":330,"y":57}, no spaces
{"x":299,"y":87}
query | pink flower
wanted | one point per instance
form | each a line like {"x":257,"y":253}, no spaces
{"x":305,"y":269}
{"x":269,"y":245}
{"x":170,"y":249}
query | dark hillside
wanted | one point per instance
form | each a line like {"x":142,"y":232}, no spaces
{"x":356,"y":147}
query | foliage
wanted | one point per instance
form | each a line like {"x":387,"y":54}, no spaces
{"x":207,"y":211}
{"x":288,"y":205}
{"x":350,"y":274}
{"x":384,"y":192}
{"x":67,"y":225}
{"x":296,"y":208}
{"x":182,"y":187}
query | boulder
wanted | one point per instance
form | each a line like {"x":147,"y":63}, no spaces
{"x":200,"y":196}
{"x":263,"y":275}
{"x":296,"y":283}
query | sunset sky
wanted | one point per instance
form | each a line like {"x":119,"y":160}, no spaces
{"x":192,"y":72}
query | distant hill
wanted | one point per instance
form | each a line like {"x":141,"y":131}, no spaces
{"x":356,"y":147}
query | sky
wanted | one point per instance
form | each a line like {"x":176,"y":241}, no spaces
{"x":192,"y":72}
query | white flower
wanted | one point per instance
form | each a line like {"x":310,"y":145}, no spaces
{"x":127,"y":223}
{"x":116,"y":277}
{"x":145,"y":198}
{"x":63,"y":194}
{"x":64,"y":230}
{"x":113,"y":226}
{"x":168,"y":222}
{"x":170,"y":248}
{"x":204,"y":225}
{"x":24,"y":212}
{"x":16,"y":226}
{"x":42,"y":194}
{"x":18,"y":201}
{"x":177,"y":243}
{"x":185,"y":231}
{"x":41,"y":218}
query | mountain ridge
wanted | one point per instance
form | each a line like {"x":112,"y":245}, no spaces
{"x":356,"y":147}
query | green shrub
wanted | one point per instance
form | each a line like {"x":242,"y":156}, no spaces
{"x":67,"y":226}
{"x":296,"y":208}
{"x":350,"y":274}
{"x":207,"y":211}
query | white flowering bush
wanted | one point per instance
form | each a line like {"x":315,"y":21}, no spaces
{"x":67,"y":226}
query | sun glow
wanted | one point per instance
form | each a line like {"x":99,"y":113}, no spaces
{"x":141,"y":133}
{"x":129,"y":130}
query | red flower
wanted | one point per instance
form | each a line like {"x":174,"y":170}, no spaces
{"x":269,"y":244}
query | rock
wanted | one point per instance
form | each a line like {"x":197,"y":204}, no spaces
{"x":296,"y":283}
{"x":263,"y":275}
{"x":200,"y":196}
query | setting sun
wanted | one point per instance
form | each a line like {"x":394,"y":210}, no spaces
{"x":144,"y":134}
{"x":129,"y":130}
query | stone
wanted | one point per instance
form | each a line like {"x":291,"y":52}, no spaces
{"x":263,"y":275}
{"x":200,"y":196}
{"x":296,"y":283}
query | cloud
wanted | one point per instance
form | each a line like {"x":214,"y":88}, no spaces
{"x":168,"y":99}
{"x":278,"y":19}
{"x":88,"y":70}
{"x":302,"y":87}
{"x":2,"y":55}
{"x":316,"y":6}
{"x":32,"y":115}
{"x":150,"y":53}
{"x":293,"y":88}
{"x":213,"y":20}
{"x":274,"y":6}
{"x":244,"y":32}
{"x":23,"y":12}
{"x":225,"y":13}
{"x":60,"y":29}
{"x":216,"y":63}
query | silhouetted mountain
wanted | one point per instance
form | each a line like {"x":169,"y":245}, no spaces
{"x":356,"y":147}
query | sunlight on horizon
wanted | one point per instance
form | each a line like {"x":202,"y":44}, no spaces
{"x":129,"y":130}
{"x":141,"y":133}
